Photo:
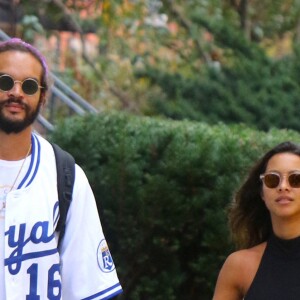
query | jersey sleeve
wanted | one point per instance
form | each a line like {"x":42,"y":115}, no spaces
{"x":87,"y":267}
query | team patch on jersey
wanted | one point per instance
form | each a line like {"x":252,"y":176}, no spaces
{"x":104,"y":257}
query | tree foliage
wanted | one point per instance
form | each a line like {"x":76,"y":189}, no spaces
{"x":245,"y":85}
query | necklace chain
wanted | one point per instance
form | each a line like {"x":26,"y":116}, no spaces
{"x":2,"y":209}
{"x":19,"y":172}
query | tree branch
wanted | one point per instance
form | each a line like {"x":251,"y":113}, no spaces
{"x":188,"y":26}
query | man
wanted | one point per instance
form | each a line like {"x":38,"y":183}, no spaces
{"x":32,"y":267}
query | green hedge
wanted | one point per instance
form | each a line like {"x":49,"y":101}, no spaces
{"x":162,"y":188}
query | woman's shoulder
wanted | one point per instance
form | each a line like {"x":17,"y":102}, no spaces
{"x":244,"y":264}
{"x":246,"y":256}
{"x":238,"y":272}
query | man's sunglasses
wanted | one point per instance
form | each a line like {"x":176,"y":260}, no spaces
{"x":29,"y":86}
{"x":272,"y":180}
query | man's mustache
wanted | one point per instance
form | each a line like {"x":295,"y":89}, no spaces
{"x":15,"y":101}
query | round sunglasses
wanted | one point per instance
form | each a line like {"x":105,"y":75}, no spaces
{"x":272,"y":180}
{"x":29,"y":86}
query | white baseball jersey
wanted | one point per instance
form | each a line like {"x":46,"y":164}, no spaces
{"x":34,"y":269}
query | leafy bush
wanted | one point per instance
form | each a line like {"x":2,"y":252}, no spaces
{"x":162,"y":188}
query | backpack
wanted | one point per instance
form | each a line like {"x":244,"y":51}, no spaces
{"x":65,"y":166}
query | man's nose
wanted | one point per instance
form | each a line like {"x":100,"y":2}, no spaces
{"x":16,"y":90}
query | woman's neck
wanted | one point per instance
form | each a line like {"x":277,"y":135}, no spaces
{"x":287,"y":228}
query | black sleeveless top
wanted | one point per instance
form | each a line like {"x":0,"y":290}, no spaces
{"x":278,"y":275}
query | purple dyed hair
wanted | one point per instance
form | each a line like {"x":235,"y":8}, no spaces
{"x":16,"y":44}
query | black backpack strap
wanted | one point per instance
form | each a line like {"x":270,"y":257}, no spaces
{"x":65,"y":166}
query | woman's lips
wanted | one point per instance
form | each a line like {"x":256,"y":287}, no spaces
{"x":284,"y":200}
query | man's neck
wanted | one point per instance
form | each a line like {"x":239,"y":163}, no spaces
{"x":15,"y":146}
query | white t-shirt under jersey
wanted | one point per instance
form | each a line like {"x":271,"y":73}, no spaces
{"x":9,"y":171}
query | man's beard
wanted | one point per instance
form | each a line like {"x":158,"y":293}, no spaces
{"x":15,"y":126}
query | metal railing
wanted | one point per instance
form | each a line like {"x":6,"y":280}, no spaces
{"x":59,"y":90}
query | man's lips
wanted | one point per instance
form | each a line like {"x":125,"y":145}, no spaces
{"x":14,"y":105}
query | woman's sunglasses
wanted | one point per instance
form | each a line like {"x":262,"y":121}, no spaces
{"x":272,"y":180}
{"x":29,"y":86}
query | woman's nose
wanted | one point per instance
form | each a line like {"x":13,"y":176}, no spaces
{"x":284,"y":183}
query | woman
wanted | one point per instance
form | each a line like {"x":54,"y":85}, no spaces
{"x":265,"y":224}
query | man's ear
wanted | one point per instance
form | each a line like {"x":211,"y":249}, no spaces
{"x":43,"y":99}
